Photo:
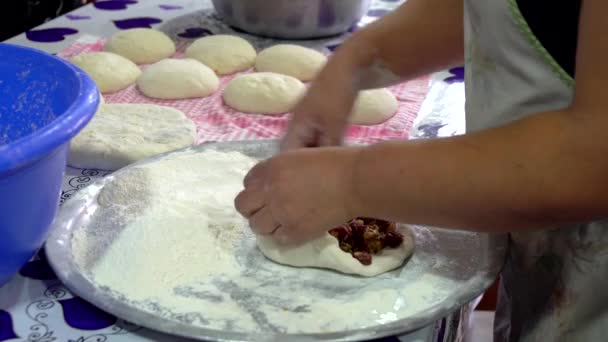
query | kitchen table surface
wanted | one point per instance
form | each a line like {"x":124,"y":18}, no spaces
{"x":36,"y":307}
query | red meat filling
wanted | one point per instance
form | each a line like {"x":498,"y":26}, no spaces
{"x":364,"y":237}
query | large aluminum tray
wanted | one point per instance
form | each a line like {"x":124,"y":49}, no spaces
{"x":467,"y":262}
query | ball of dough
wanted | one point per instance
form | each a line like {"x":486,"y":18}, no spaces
{"x":121,"y":134}
{"x":141,"y":45}
{"x":224,"y":54}
{"x":110,"y":71}
{"x":292,"y":60}
{"x":324,"y":252}
{"x":177,"y":79}
{"x":373,"y":107}
{"x":264,"y":93}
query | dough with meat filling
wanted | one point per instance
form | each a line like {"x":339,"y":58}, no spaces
{"x":324,"y":252}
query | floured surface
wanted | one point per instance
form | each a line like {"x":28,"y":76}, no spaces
{"x":182,"y":271}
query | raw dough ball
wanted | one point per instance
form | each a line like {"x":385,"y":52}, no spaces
{"x":324,"y":252}
{"x":263,"y":92}
{"x":141,"y":45}
{"x":178,"y":79}
{"x":373,"y":107}
{"x":110,"y":71}
{"x":293,"y":60}
{"x":224,"y":54}
{"x":120,"y":134}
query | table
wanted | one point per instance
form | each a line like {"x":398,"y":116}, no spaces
{"x":36,"y":307}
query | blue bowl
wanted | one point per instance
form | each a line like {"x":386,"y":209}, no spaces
{"x":44,"y":102}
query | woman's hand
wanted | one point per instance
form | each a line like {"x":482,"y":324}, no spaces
{"x":397,"y":47}
{"x":298,"y":195}
{"x":321,"y":117}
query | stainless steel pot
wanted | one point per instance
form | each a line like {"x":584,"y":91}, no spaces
{"x":292,"y":19}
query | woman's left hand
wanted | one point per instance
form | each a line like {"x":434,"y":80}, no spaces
{"x":298,"y":195}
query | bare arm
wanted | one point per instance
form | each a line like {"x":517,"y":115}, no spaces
{"x":544,"y":171}
{"x":547,"y":170}
{"x":403,"y":45}
{"x":400,"y":46}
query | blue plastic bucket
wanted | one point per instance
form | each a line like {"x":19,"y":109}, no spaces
{"x":44,"y":102}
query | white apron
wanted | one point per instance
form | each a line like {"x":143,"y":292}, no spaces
{"x":555,"y":282}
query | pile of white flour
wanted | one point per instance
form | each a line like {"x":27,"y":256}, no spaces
{"x":184,"y":226}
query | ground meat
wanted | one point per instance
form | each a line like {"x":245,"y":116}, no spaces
{"x":364,"y":237}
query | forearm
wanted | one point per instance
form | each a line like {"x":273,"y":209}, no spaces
{"x":404,"y":45}
{"x":539,"y":172}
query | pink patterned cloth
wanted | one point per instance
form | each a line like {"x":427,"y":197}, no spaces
{"x":217,"y":122}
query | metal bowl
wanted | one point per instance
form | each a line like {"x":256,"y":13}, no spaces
{"x":292,"y":19}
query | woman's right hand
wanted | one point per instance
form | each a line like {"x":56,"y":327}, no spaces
{"x":377,"y":56}
{"x":321,"y":117}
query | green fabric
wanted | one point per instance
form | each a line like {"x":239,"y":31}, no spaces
{"x":523,"y":25}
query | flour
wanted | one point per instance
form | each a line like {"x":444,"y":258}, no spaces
{"x":123,"y":133}
{"x":166,"y":239}
{"x":379,"y":306}
{"x":188,"y":224}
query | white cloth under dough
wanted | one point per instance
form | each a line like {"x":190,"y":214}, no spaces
{"x":324,"y":252}
{"x":121,"y":134}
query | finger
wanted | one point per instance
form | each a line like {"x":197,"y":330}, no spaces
{"x":300,"y":134}
{"x":262,"y":222}
{"x":249,"y":201}
{"x":331,"y":138}
{"x":333,"y":133}
{"x":282,"y":237}
{"x":256,"y":174}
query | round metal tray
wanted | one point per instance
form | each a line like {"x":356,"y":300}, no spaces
{"x":469,"y":262}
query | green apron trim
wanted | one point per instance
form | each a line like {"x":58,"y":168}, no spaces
{"x":537,"y":45}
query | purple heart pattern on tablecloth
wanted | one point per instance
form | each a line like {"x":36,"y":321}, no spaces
{"x":195,"y":32}
{"x":77,"y":17}
{"x":170,"y":7}
{"x":457,"y":75}
{"x":50,"y":35}
{"x":113,"y":5}
{"x":38,"y":269}
{"x":7,"y":331}
{"x":80,"y":314}
{"x":430,"y":130}
{"x":145,"y":22}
